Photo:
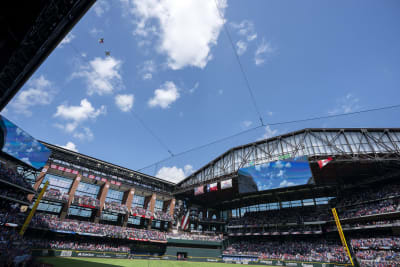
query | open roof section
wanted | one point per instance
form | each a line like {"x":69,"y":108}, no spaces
{"x":344,"y":143}
{"x":29,"y":32}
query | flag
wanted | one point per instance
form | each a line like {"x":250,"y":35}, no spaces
{"x":53,"y":166}
{"x":212,"y":187}
{"x":68,"y":170}
{"x":323,"y":162}
{"x":185,"y":221}
{"x":112,"y":182}
{"x":61,"y":168}
{"x":91,"y":176}
{"x":75,"y":172}
{"x":104,"y":180}
{"x":199,"y":190}
{"x":226,"y":184}
{"x":118,"y":183}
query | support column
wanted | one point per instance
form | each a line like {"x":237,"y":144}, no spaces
{"x":171,"y":205}
{"x":39,"y":181}
{"x":127,"y":201}
{"x":102,"y":197}
{"x":71,"y":195}
{"x":150,"y":206}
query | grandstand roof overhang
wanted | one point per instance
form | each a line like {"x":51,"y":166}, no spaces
{"x":29,"y":32}
{"x":148,"y":182}
{"x":344,"y":144}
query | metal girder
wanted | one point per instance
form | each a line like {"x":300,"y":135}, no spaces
{"x":347,"y":144}
{"x":138,"y":180}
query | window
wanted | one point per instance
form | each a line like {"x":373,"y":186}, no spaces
{"x":57,"y":182}
{"x":138,"y":201}
{"x":114,"y":196}
{"x":49,"y":206}
{"x":82,"y":212}
{"x":134,"y":220}
{"x":85,"y":189}
{"x":159,"y":205}
{"x":308,"y":202}
{"x":109,"y":217}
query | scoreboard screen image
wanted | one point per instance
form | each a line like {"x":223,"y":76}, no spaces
{"x":276,"y":174}
{"x":21,"y":146}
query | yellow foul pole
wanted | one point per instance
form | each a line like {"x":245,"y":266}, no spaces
{"x":30,"y":216}
{"x":342,"y":238}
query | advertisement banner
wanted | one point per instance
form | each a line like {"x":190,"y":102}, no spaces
{"x":199,"y":190}
{"x":226,"y":184}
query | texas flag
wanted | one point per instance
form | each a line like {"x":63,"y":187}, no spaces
{"x":212,"y":187}
{"x":323,"y":162}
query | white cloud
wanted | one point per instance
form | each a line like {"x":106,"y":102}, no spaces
{"x":85,"y":134}
{"x":67,"y":39}
{"x":281,"y":173}
{"x":96,"y":32}
{"x":269,"y":132}
{"x":262,"y":52}
{"x":286,"y":183}
{"x":220,"y":92}
{"x":346,"y":104}
{"x":186,"y":29}
{"x":247,"y":34}
{"x":101,"y":7}
{"x":70,"y":146}
{"x":77,"y":114}
{"x":247,"y":124}
{"x":124,"y":102}
{"x":279,"y":164}
{"x":165,"y":95}
{"x":288,"y":165}
{"x":246,"y":29}
{"x":174,"y":174}
{"x":241,"y":47}
{"x":102,"y":75}
{"x":270,"y":113}
{"x":193,"y":89}
{"x":39,"y":93}
{"x":147,"y":69}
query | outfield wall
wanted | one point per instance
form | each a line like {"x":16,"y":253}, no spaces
{"x":78,"y":253}
{"x":194,"y":254}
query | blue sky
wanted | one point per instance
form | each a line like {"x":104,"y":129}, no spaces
{"x":171,"y":63}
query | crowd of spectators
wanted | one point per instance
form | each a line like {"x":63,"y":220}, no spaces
{"x":163,"y":216}
{"x":17,"y":195}
{"x":56,"y":194}
{"x":281,"y":216}
{"x":86,"y":201}
{"x":54,"y":223}
{"x":10,"y":176}
{"x":383,"y":206}
{"x":115,"y":207}
{"x":370,"y":194}
{"x":191,"y":236}
{"x":76,"y":245}
{"x":376,"y":243}
{"x":140,"y":212}
{"x":10,"y":213}
{"x":14,"y":251}
{"x":317,"y":250}
{"x":384,"y":258}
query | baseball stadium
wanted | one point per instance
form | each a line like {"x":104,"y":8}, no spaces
{"x":314,"y":197}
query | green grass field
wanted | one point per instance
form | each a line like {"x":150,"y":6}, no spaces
{"x":91,"y":262}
